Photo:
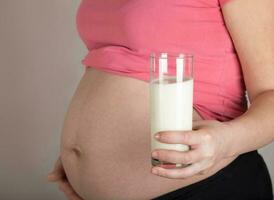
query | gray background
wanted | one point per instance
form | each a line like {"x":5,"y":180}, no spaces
{"x":40,"y":55}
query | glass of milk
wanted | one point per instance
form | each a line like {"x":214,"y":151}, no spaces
{"x":171,"y":99}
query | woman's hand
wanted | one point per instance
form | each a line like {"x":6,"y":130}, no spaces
{"x":58,"y":175}
{"x":208,"y":143}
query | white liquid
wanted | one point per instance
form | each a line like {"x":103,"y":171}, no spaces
{"x":170,"y":109}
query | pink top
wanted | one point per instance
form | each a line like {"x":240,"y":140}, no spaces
{"x":121,"y":34}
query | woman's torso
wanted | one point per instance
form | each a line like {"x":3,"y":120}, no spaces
{"x":105,"y":143}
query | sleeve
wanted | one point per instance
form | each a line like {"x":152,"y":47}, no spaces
{"x":223,"y":2}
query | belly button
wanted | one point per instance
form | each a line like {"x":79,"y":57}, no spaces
{"x":76,"y":149}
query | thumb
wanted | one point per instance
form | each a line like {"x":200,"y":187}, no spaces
{"x":57,"y":173}
{"x":198,"y":124}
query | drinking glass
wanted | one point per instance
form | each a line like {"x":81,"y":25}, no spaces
{"x":171,"y":99}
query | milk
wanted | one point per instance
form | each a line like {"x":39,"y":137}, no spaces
{"x":170,"y":109}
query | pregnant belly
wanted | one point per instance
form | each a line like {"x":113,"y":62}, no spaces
{"x":105,"y":141}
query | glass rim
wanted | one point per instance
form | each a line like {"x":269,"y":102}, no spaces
{"x":172,"y":54}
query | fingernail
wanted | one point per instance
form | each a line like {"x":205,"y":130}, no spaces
{"x":155,"y":154}
{"x":157,"y":136}
{"x":50,"y":176}
{"x":154,"y":171}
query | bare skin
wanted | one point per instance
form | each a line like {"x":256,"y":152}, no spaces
{"x":105,"y":144}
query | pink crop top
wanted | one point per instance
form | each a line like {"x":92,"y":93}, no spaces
{"x":121,"y":34}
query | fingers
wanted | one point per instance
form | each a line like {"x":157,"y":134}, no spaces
{"x":65,"y":187}
{"x":172,"y":156}
{"x":58,"y":172}
{"x":198,"y":124}
{"x":180,"y":173}
{"x":55,"y":177}
{"x":58,"y":175}
{"x":180,"y":137}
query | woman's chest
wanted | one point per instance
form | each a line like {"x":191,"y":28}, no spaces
{"x":141,"y":24}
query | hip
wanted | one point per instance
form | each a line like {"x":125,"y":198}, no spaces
{"x":246,"y":178}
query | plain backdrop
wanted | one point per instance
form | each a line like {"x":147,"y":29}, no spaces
{"x":40,"y":67}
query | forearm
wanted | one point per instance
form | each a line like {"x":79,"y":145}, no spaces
{"x":255,"y":128}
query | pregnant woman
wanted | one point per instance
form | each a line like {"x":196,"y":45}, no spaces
{"x":105,"y":143}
